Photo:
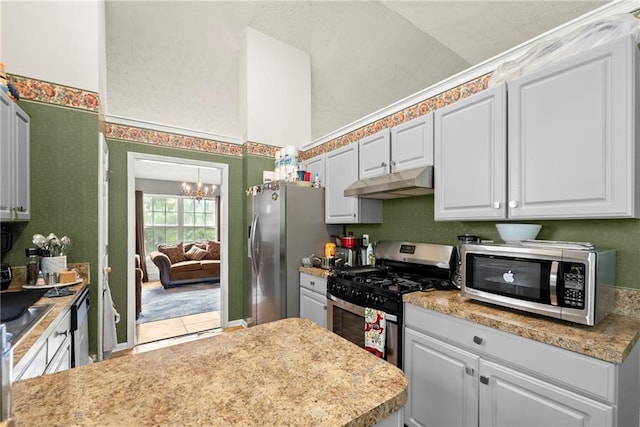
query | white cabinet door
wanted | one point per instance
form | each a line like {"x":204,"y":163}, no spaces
{"x":443,"y":383}
{"x":6,"y":158}
{"x":510,"y":398}
{"x":571,"y":143}
{"x":375,"y":153}
{"x":341,"y":168}
{"x":313,"y":306}
{"x":15,"y":196}
{"x":470,"y":158}
{"x":315,"y":166}
{"x":342,"y":171}
{"x":22,"y":124}
{"x":412,"y":144}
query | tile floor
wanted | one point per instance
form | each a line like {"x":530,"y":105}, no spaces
{"x":179,"y":326}
{"x":163,"y":330}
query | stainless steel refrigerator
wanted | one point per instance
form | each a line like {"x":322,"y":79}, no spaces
{"x":288,"y":225}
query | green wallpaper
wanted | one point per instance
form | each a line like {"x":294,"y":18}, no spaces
{"x":64,"y":185}
{"x":411,"y":219}
{"x":118,"y":226}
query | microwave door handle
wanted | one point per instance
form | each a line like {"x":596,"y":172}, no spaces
{"x":553,"y":283}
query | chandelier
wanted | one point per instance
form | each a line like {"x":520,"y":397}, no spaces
{"x":199,"y":192}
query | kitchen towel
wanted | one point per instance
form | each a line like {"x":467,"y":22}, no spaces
{"x":375,"y":328}
{"x":109,"y":319}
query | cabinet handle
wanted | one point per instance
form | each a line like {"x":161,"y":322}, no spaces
{"x":383,"y":164}
{"x":312,"y":283}
{"x":484,"y":380}
{"x":477,"y":339}
{"x":513,"y":204}
{"x":496,"y":205}
{"x":469,"y":371}
{"x":61,"y":333}
{"x":325,"y":307}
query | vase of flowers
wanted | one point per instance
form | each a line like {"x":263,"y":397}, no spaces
{"x":53,"y":252}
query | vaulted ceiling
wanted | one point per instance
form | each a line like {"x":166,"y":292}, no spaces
{"x":176,"y":63}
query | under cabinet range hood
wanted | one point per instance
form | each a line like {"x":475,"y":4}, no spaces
{"x":408,"y":183}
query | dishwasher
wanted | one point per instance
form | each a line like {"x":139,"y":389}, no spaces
{"x":80,"y":330}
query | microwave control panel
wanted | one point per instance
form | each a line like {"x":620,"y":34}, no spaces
{"x":573,"y":278}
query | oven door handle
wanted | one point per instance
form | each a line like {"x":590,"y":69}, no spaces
{"x":356,"y":309}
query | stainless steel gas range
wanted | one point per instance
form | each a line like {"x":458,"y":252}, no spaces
{"x":401,"y":267}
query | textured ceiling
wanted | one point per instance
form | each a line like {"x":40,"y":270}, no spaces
{"x":176,"y":63}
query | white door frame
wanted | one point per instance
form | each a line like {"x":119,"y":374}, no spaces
{"x":103,"y":237}
{"x":132,"y":157}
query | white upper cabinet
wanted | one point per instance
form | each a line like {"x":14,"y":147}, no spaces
{"x":15,"y":198}
{"x":570,"y":146}
{"x":412,"y":144}
{"x":572,"y":137}
{"x":406,"y":146}
{"x":375,"y":154}
{"x":341,"y":168}
{"x":315,"y":166}
{"x":470,"y":158}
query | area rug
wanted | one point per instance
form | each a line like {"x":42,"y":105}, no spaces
{"x":159,"y":303}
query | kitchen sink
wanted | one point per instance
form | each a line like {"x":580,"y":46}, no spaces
{"x":29,"y":319}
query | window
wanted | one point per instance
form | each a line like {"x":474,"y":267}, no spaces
{"x":175,"y":219}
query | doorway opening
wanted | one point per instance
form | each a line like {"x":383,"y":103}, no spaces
{"x":168,"y":217}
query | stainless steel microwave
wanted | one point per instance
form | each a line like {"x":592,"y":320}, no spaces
{"x":564,"y":281}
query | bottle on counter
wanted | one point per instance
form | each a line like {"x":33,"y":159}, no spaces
{"x":316,"y":181}
{"x":371,"y":257}
{"x":33,"y":265}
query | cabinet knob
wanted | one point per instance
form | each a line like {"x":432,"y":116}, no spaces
{"x":513,"y":204}
{"x":312,"y":283}
{"x":484,"y":380}
{"x":496,"y":205}
{"x":469,"y":371}
{"x":324,"y":307}
{"x":477,"y":339}
{"x":107,"y":269}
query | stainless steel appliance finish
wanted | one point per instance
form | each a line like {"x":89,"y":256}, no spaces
{"x":411,"y":182}
{"x":401,"y":267}
{"x":353,"y":257}
{"x":561,"y":280}
{"x":288,"y":224}
{"x":347,"y":320}
{"x":6,"y":368}
{"x":29,"y":319}
{"x":80,"y":330}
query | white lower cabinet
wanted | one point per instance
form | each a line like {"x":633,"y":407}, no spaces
{"x":51,"y":353}
{"x":313,"y":298}
{"x":464,"y":374}
{"x":511,"y":398}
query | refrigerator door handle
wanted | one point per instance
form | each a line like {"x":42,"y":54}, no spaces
{"x":253,"y":242}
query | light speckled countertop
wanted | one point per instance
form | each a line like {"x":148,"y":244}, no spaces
{"x":61,"y":305}
{"x":611,"y":340}
{"x":314,"y":271}
{"x":278,"y":373}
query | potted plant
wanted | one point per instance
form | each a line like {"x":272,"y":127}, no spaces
{"x":53,"y":252}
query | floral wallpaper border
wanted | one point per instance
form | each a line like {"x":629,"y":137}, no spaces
{"x":52,"y":93}
{"x":419,"y":109}
{"x":166,"y":139}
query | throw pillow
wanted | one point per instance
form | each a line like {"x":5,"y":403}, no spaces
{"x":214,"y":249}
{"x":195,"y":253}
{"x":174,"y":252}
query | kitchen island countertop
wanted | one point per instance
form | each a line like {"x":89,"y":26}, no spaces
{"x":611,"y":340}
{"x":278,"y":373}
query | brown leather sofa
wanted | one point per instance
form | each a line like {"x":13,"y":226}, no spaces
{"x":181,"y":264}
